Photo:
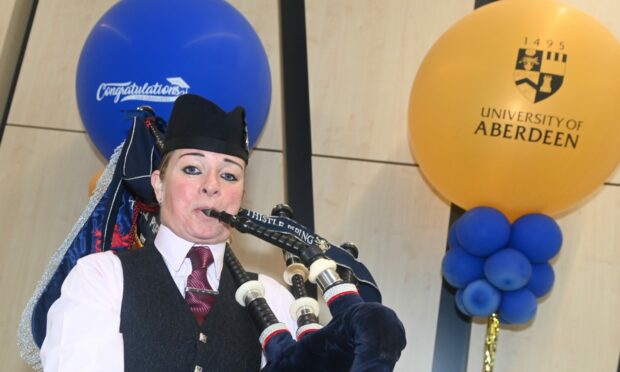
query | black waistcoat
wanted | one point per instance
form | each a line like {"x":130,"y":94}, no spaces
{"x":161,"y":334}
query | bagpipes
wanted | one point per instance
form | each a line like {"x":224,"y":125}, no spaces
{"x":362,"y":335}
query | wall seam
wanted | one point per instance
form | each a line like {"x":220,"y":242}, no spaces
{"x":18,"y":66}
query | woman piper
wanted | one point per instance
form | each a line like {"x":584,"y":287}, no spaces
{"x":170,"y":306}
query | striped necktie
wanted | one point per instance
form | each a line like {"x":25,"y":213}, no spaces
{"x":198,"y":293}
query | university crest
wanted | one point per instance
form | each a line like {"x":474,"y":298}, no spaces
{"x":538,"y":73}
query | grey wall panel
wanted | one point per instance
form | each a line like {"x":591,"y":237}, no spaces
{"x":44,"y":178}
{"x":362,"y":59}
{"x":400,"y":228}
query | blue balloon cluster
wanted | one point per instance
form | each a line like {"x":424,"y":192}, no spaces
{"x":498,"y":267}
{"x":148,"y":52}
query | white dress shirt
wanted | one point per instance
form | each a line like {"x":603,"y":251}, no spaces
{"x":83,"y":324}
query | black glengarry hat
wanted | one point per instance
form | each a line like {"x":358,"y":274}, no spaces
{"x":197,"y":123}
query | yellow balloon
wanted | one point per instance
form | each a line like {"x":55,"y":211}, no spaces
{"x":516,"y":107}
{"x":92,"y":184}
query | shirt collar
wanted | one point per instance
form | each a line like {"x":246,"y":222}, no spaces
{"x":174,"y":249}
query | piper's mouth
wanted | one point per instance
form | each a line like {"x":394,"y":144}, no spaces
{"x":210,"y":212}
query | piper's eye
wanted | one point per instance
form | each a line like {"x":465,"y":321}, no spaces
{"x":229,"y":177}
{"x":191,"y":170}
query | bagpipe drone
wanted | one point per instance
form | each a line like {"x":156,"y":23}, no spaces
{"x":362,"y":335}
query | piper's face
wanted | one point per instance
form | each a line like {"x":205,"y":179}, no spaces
{"x":195,"y":180}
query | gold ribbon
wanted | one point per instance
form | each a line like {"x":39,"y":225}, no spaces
{"x":490,"y":343}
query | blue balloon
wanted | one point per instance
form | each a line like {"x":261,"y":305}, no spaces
{"x":518,"y":306}
{"x":483,"y":230}
{"x":149,"y":52}
{"x":458,"y":300}
{"x":536,"y":235}
{"x":480,"y":298}
{"x":459,"y":268}
{"x":508,"y":269}
{"x":542,"y":279}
